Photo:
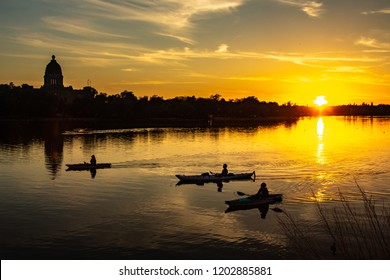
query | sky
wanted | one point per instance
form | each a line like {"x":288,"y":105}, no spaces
{"x":276,"y":50}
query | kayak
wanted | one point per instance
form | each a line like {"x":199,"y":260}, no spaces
{"x":87,"y":166}
{"x":253,"y":202}
{"x":206,"y":177}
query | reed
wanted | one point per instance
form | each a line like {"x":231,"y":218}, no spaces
{"x":351,"y":232}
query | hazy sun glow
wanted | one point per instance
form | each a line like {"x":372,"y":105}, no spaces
{"x":320,"y":101}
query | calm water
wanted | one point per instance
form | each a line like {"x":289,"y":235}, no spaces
{"x":135,"y":210}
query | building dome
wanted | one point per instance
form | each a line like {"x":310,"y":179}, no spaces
{"x":53,"y":68}
{"x":53,"y":79}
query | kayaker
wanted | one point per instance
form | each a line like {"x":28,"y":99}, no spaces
{"x":93,"y":160}
{"x":224,"y":172}
{"x":263,"y":191}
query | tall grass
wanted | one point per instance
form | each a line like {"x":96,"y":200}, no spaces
{"x":351,"y":232}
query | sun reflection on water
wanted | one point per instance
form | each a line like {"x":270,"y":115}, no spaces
{"x":320,"y":194}
{"x":320,"y":128}
{"x":320,"y":146}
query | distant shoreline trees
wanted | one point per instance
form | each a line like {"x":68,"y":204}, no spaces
{"x":24,"y":101}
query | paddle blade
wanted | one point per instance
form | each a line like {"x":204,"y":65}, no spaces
{"x":241,"y":193}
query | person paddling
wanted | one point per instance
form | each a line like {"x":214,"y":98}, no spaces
{"x":93,"y":160}
{"x":262,"y":192}
{"x":224,"y":172}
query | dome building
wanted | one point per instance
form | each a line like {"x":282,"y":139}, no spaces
{"x":54,"y":85}
{"x":53,"y":79}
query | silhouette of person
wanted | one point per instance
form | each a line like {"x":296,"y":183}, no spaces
{"x":224,"y":170}
{"x":262,"y":192}
{"x":93,"y":160}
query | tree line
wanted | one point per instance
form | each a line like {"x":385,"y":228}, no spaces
{"x":24,"y":101}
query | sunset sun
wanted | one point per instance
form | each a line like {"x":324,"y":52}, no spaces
{"x":320,"y":101}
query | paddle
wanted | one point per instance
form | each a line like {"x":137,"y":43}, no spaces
{"x":241,"y":193}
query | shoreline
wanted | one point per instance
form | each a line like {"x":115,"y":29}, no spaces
{"x":157,"y":122}
{"x":169,"y":122}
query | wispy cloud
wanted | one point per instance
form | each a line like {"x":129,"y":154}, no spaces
{"x":311,"y":8}
{"x":317,"y":60}
{"x":162,"y":82}
{"x":346,"y":69}
{"x":100,"y":53}
{"x":76,"y":27}
{"x":90,"y":52}
{"x":174,"y":14}
{"x":250,"y":78}
{"x":107,"y":18}
{"x":372,"y":43}
{"x":179,"y":38}
{"x":130,"y":70}
{"x":382,"y":11}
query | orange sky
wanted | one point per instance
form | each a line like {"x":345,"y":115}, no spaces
{"x":276,"y":50}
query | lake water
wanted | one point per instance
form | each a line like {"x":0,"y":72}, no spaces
{"x":136,"y":210}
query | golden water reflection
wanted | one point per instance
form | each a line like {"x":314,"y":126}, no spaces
{"x":320,"y":128}
{"x":320,"y":146}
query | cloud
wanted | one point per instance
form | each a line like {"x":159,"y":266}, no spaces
{"x":372,"y":43}
{"x":222,"y":48}
{"x":174,"y":14}
{"x":162,"y":82}
{"x":346,"y":69}
{"x":103,"y":18}
{"x":311,"y":8}
{"x":316,"y":60}
{"x":130,"y":70}
{"x":91,"y":52}
{"x":250,"y":78}
{"x":123,"y":54}
{"x":382,"y":11}
{"x":179,"y":38}
{"x":75,"y":27}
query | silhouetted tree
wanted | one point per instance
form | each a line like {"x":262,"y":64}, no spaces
{"x":26,"y":101}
